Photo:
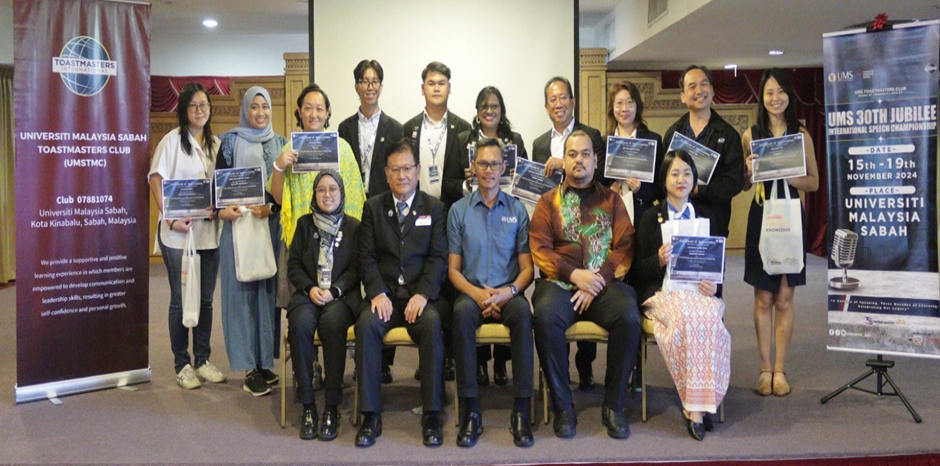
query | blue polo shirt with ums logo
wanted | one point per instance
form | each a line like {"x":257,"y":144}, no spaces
{"x":489,"y":240}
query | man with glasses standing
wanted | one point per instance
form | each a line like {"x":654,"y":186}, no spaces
{"x":549,"y":149}
{"x":402,"y":262}
{"x":490,"y":266}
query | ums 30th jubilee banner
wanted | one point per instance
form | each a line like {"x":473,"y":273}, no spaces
{"x":881,"y":115}
{"x":82,"y":107}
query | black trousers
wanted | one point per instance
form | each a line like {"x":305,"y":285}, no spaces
{"x":614,"y":309}
{"x":517,"y":315}
{"x":425,"y":331}
{"x":333,"y":321}
{"x":500,"y":354}
{"x":444,"y":310}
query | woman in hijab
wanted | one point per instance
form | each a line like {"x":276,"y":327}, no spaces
{"x":249,"y":318}
{"x":322,"y":267}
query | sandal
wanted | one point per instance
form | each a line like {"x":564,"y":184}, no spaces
{"x":764,"y":387}
{"x":780,"y":386}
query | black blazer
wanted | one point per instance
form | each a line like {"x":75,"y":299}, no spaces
{"x":418,"y":253}
{"x":451,"y":189}
{"x":387,"y":133}
{"x":646,"y":276}
{"x":542,"y":149}
{"x":302,"y":262}
{"x":455,"y":169}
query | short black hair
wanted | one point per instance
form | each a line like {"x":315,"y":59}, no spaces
{"x":578,"y":133}
{"x":670,"y":157}
{"x":490,"y":142}
{"x":313,"y":87}
{"x":708,"y":74}
{"x":364,"y":65}
{"x":435,"y":67}
{"x":558,"y":79}
{"x":400,"y":146}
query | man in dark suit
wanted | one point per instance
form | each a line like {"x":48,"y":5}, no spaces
{"x":403,"y":262}
{"x":549,"y":148}
{"x":370,"y":131}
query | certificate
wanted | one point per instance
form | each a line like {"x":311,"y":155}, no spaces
{"x":239,"y":186}
{"x":315,"y":151}
{"x":530,"y":183}
{"x":509,"y":158}
{"x":188,"y":198}
{"x":630,"y":158}
{"x":705,"y":159}
{"x":778,"y":158}
{"x":697,"y":258}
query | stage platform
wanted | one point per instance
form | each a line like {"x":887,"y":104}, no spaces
{"x":222,"y":424}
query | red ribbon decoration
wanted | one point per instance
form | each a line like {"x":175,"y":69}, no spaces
{"x":879,"y":22}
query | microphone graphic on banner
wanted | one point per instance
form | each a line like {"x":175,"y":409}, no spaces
{"x":844,"y":244}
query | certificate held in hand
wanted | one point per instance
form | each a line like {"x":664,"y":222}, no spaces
{"x":697,"y":258}
{"x":239,"y":186}
{"x":187,"y":198}
{"x":530,"y":181}
{"x":630,"y":158}
{"x":315,"y":151}
{"x":705,"y":159}
{"x":778,"y":158}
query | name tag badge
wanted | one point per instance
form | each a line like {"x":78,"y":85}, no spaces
{"x":325,"y":278}
{"x":423,"y":221}
{"x":434,"y":173}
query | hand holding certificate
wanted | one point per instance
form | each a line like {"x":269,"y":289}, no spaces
{"x":705,"y":159}
{"x":190,"y":198}
{"x":315,"y":151}
{"x":697,"y":258}
{"x":630,"y":158}
{"x":530,"y":182}
{"x":239,"y":186}
{"x":778,"y":158}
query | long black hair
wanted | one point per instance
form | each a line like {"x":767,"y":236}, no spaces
{"x":763,"y":118}
{"x":504,"y":128}
{"x":182,"y":116}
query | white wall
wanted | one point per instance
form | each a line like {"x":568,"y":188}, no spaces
{"x":6,"y":35}
{"x":630,"y":22}
{"x":222,"y":54}
{"x":516,"y":46}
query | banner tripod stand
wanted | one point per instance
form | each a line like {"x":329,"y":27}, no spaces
{"x":880,"y":368}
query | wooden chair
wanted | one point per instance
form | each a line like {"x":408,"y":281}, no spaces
{"x":647,"y":339}
{"x":580,"y":331}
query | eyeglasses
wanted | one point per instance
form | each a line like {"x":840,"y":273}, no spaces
{"x":406,"y":169}
{"x":556,"y":99}
{"x":374,"y":84}
{"x":621,"y":104}
{"x":333,"y":191}
{"x":492,"y":108}
{"x":485,"y":166}
{"x":202,"y":106}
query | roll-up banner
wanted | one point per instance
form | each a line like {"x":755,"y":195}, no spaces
{"x":82,"y":106}
{"x":881,"y":123}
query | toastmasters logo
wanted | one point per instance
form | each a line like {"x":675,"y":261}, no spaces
{"x":84,"y":65}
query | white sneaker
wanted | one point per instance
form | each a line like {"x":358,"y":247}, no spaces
{"x":210,"y":373}
{"x":186,"y":378}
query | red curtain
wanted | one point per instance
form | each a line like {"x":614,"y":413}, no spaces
{"x":165,"y":90}
{"x":810,"y":107}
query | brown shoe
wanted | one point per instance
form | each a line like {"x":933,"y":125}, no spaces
{"x":780,"y":385}
{"x":765,"y":384}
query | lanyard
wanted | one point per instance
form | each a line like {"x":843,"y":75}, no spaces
{"x":440,"y":138}
{"x":367,"y":151}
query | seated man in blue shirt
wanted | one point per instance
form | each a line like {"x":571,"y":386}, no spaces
{"x":490,"y":266}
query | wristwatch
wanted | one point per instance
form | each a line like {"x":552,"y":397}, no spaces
{"x":513,"y":289}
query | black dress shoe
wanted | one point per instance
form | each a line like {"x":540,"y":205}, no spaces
{"x":386,"y":375}
{"x":707,"y":422}
{"x":615,"y":422}
{"x":308,"y":423}
{"x":499,"y":374}
{"x":470,"y":430}
{"x":565,"y":423}
{"x":586,"y":382}
{"x":696,"y":429}
{"x":370,"y":430}
{"x":329,"y":425}
{"x":450,"y":369}
{"x":431,"y":433}
{"x":521,"y":430}
{"x":483,"y":377}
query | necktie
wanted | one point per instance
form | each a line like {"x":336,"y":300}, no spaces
{"x":402,"y":207}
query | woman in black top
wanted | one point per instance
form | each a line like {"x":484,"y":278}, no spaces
{"x":776,"y":117}
{"x":323,"y":269}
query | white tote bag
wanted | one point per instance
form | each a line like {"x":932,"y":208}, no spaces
{"x":781,"y":238}
{"x":190,"y":285}
{"x":254,"y":255}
